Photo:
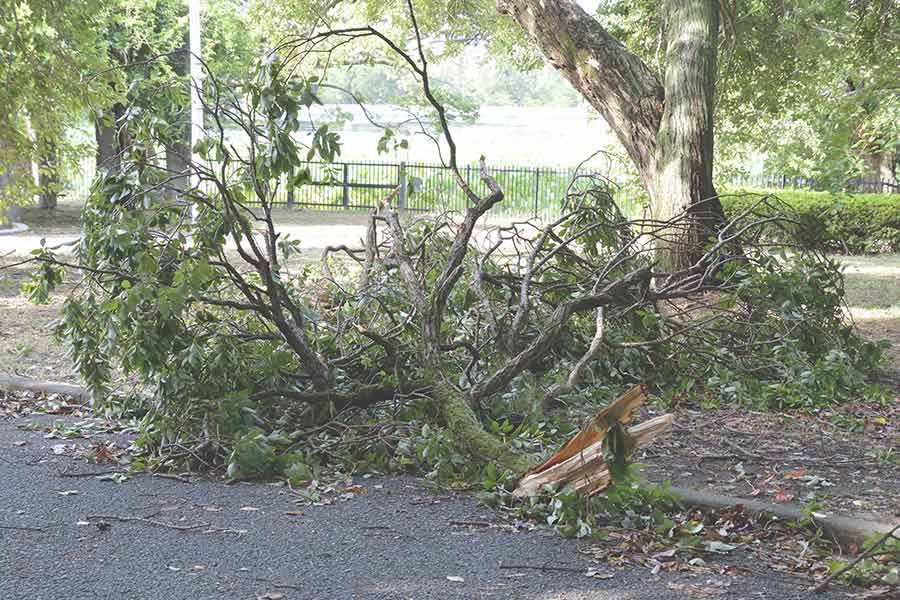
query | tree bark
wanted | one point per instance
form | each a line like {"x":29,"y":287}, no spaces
{"x":178,"y":142}
{"x":13,"y":171}
{"x":685,"y":137}
{"x":48,"y":180}
{"x":178,"y":155}
{"x":882,"y":166}
{"x":470,"y":436}
{"x":108,"y":140}
{"x":666,"y":127}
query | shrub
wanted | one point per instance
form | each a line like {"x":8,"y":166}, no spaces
{"x":844,"y":223}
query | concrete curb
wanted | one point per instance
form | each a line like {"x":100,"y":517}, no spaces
{"x":23,"y":384}
{"x":14,"y":228}
{"x":846,"y":531}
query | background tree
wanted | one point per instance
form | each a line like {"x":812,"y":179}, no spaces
{"x":48,"y":51}
{"x":822,"y":104}
{"x":148,"y":47}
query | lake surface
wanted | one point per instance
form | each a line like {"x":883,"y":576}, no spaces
{"x":533,"y":136}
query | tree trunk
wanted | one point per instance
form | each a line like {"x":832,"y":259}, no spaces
{"x":685,"y":137}
{"x":666,"y":127}
{"x":616,"y":82}
{"x":882,"y":166}
{"x":14,"y":181}
{"x":178,"y":142}
{"x":112,"y":138}
{"x":48,"y":180}
{"x":178,"y":156}
{"x":108,"y":158}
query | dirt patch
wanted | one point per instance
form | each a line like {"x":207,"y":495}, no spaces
{"x":845,"y":460}
{"x":27,"y":346}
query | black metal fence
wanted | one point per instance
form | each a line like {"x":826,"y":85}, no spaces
{"x":859,"y":185}
{"x":529,"y":191}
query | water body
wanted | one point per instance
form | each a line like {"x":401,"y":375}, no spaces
{"x":512,"y":135}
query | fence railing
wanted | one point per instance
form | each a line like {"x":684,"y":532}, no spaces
{"x":859,"y":185}
{"x":534,"y":191}
{"x":529,"y":191}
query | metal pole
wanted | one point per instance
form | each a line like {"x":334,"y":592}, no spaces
{"x":196,"y":86}
{"x":401,"y":183}
{"x":290,"y":188}
{"x":346,"y":199}
{"x":537,"y":188}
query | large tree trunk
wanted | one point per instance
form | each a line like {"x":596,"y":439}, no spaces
{"x":178,"y":156}
{"x":882,"y":166}
{"x":666,"y":127}
{"x":685,"y":137}
{"x":15,"y":173}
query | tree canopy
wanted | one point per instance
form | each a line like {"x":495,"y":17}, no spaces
{"x":53,"y":65}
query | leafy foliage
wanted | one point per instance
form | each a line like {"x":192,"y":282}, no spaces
{"x":423,"y":349}
{"x":842,"y":223}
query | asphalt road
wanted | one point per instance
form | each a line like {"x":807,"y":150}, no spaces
{"x":394,"y":540}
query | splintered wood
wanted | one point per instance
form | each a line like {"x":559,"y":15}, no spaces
{"x":580,"y":460}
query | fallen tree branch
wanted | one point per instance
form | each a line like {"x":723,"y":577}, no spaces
{"x":545,"y":568}
{"x":21,"y":528}
{"x":847,"y":531}
{"x":149,"y":522}
{"x":89,"y":474}
{"x":23,"y":384}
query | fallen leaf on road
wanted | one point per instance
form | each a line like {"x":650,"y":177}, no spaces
{"x":597,"y":574}
{"x":719,"y":547}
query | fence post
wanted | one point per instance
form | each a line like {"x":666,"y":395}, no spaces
{"x":537,"y":189}
{"x":346,"y":197}
{"x":783,"y":181}
{"x":401,"y":183}
{"x":290,"y":188}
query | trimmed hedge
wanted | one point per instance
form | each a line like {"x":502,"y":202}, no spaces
{"x":843,"y":223}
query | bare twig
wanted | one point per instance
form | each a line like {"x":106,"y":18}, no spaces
{"x":149,"y":522}
{"x":870,"y":551}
